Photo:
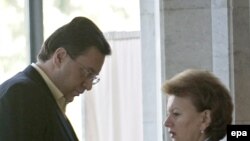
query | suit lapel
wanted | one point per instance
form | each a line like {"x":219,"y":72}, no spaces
{"x":67,"y":126}
{"x":30,"y":71}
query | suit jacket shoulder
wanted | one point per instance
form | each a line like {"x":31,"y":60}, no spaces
{"x":29,"y":112}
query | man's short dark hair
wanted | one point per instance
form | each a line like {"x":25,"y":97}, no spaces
{"x":76,"y":37}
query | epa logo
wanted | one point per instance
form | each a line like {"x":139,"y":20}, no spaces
{"x":238,"y":133}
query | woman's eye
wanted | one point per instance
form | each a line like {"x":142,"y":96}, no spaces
{"x":176,"y":114}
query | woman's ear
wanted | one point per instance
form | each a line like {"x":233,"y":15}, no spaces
{"x":206,"y":119}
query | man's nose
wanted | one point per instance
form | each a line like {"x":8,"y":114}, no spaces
{"x":88,"y":84}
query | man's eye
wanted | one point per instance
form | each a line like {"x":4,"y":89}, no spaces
{"x":91,"y":75}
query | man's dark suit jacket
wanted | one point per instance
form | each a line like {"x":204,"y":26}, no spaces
{"x":29,"y":112}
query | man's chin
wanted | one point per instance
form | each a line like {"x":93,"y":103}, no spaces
{"x":69,"y":99}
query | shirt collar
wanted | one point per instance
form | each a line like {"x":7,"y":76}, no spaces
{"x":57,"y":94}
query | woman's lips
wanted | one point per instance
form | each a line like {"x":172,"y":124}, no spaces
{"x":172,"y":134}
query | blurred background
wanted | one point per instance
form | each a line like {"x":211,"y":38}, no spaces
{"x":151,"y":41}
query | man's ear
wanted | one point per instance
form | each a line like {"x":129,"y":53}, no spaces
{"x":206,"y":119}
{"x":59,"y":56}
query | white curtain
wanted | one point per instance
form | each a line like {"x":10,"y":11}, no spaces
{"x":112,"y":110}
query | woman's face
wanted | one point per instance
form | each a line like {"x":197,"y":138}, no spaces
{"x":184,"y":123}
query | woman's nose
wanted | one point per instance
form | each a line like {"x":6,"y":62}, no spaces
{"x":168,"y":122}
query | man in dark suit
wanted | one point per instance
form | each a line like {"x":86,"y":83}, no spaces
{"x":32,"y":103}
